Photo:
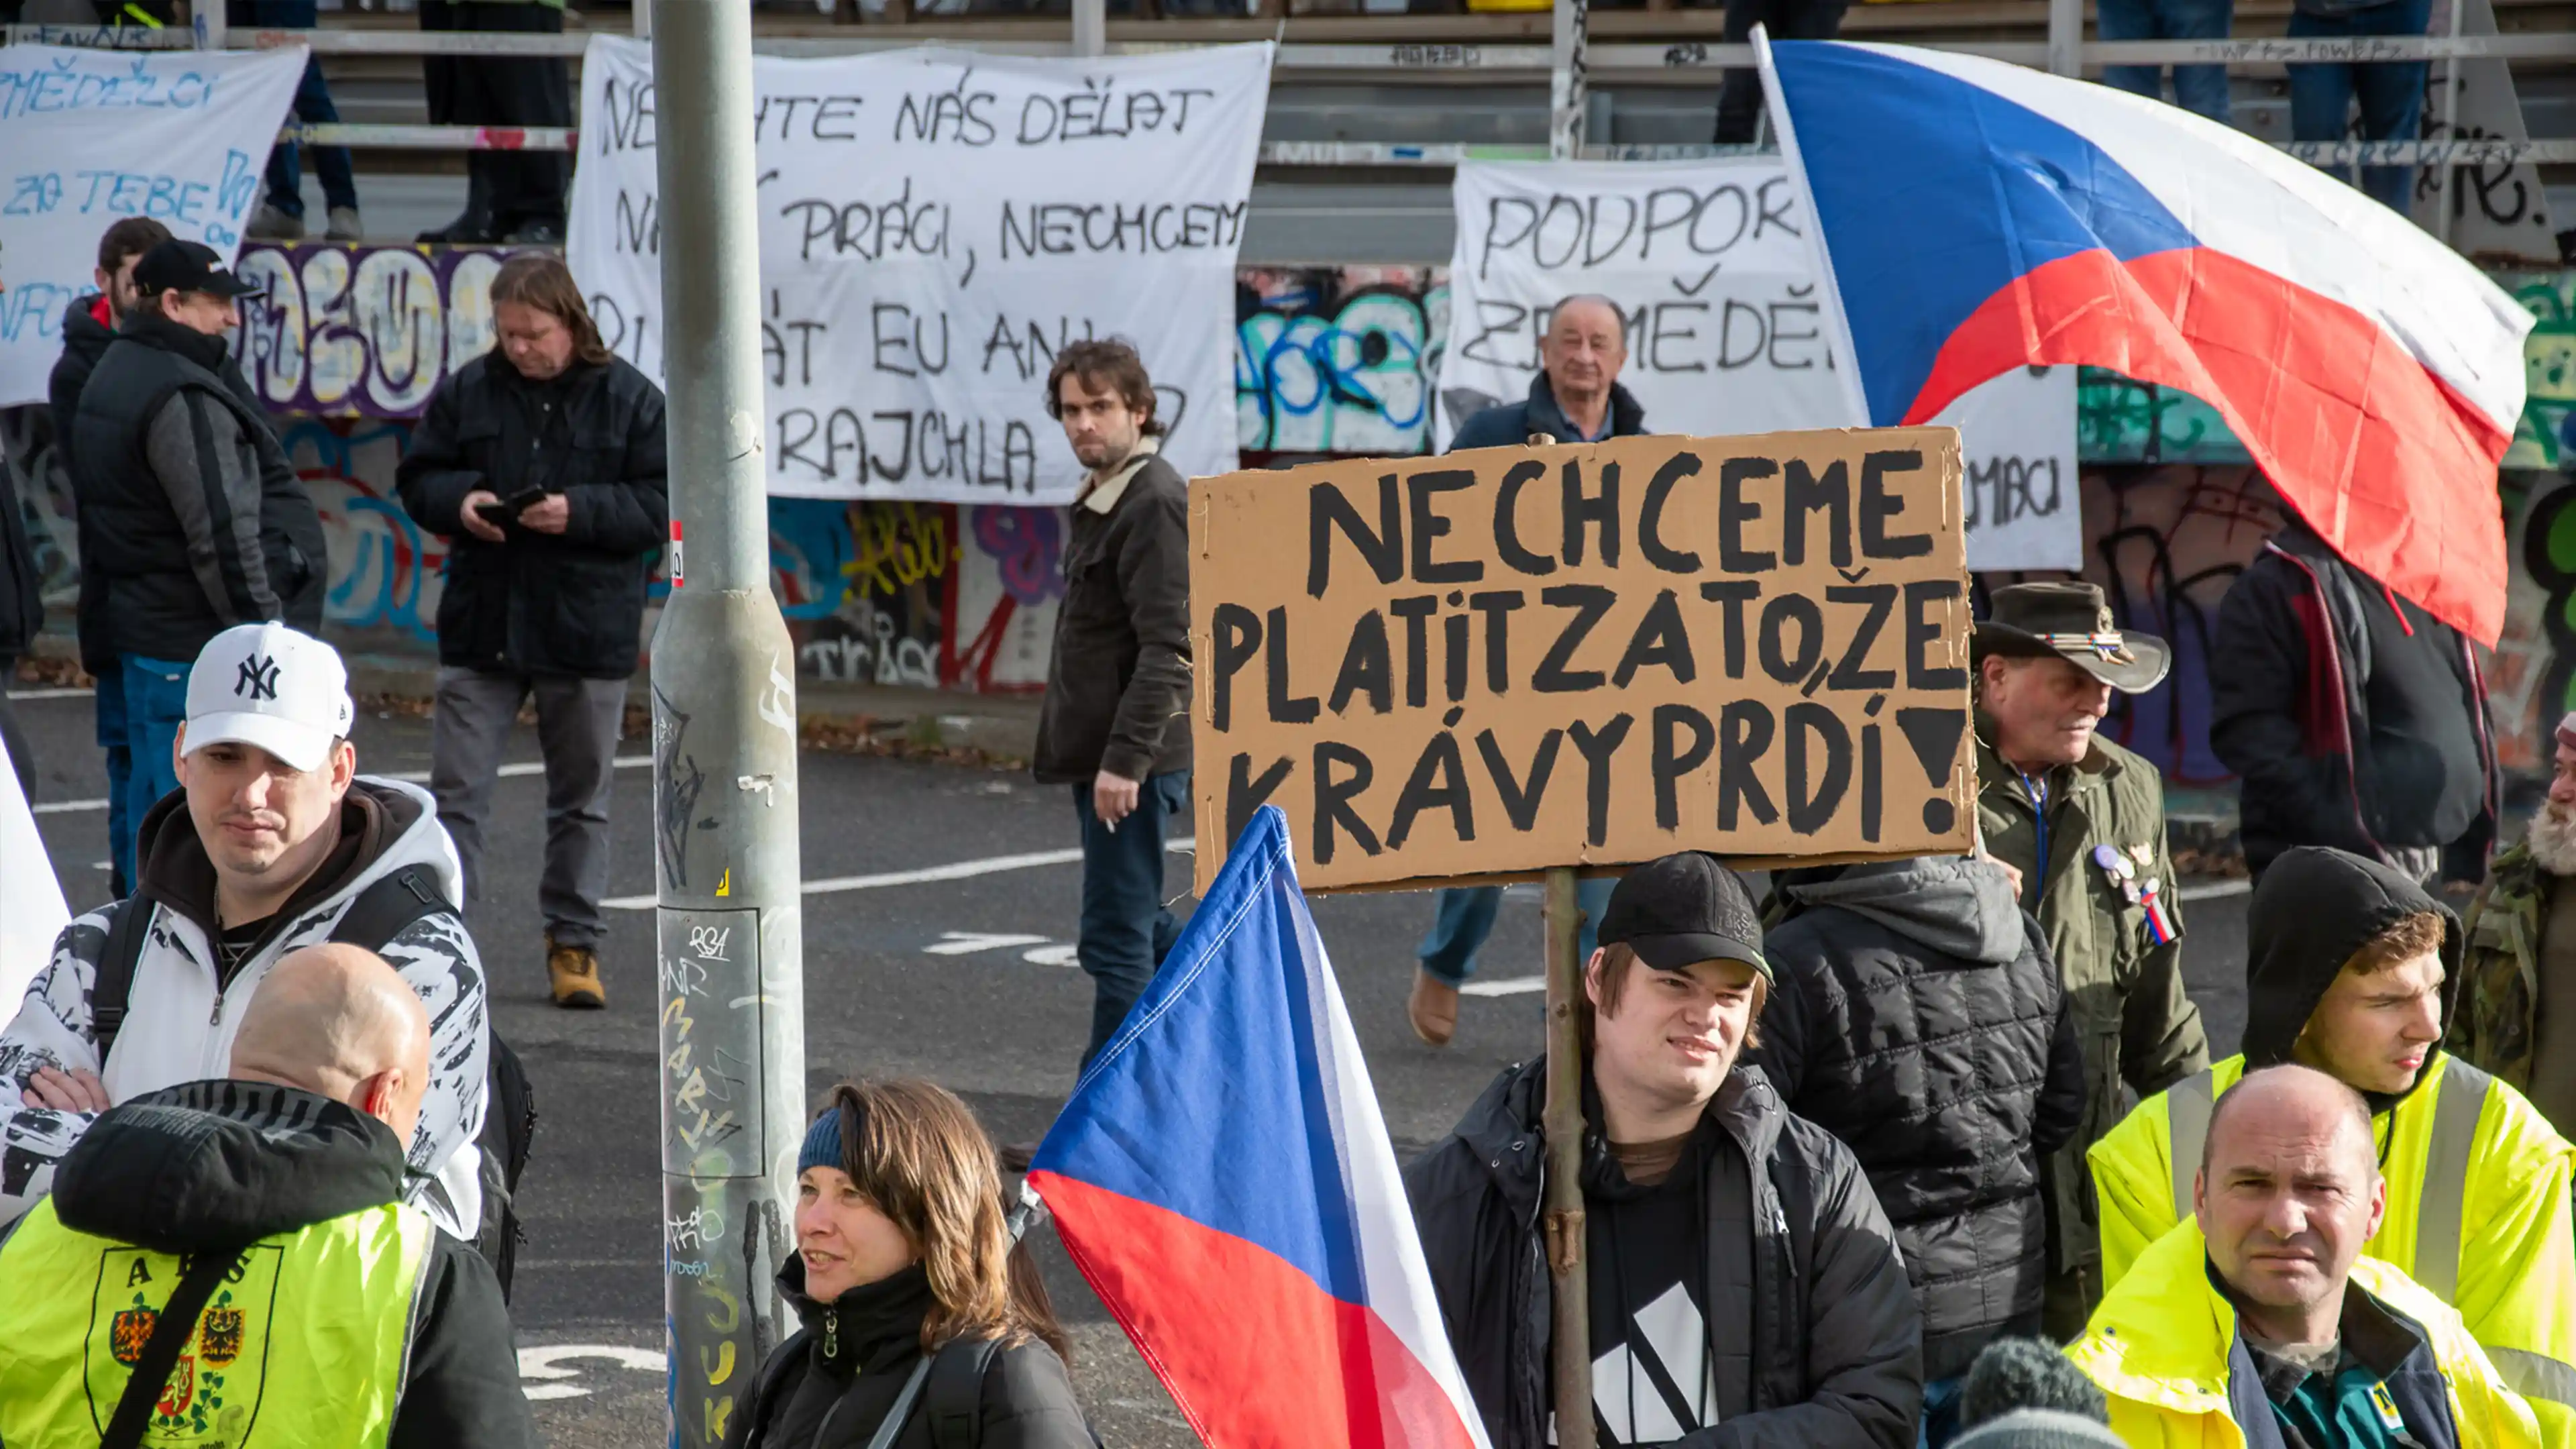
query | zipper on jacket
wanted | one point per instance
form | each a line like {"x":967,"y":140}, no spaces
{"x":831,"y":1333}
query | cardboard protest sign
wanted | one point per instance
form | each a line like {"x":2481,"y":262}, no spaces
{"x":1495,"y":662}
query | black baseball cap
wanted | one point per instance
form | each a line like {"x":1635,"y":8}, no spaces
{"x":186,"y":266}
{"x":1684,"y":909}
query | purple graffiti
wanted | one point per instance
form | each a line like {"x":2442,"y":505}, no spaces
{"x":1028,"y":544}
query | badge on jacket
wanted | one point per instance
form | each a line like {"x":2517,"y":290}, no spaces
{"x":2123,"y":870}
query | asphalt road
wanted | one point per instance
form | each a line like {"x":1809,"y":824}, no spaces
{"x":967,"y":982}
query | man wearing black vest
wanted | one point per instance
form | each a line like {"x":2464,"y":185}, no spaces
{"x":193,"y":519}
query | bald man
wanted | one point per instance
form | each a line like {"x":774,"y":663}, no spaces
{"x":2261,"y":1309}
{"x":265,"y":1210}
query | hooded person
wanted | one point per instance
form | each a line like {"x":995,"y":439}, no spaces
{"x":1746,"y":1289}
{"x":1919,"y":1018}
{"x":2353,"y":970}
{"x":272,"y":839}
{"x":229,"y":1260}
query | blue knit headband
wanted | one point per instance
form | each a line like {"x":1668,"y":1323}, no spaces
{"x":823,"y":1143}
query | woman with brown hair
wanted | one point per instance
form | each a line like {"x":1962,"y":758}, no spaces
{"x":911,"y":1289}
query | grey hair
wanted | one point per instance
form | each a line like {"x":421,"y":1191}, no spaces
{"x":1598,"y":300}
{"x":2027,"y":1373}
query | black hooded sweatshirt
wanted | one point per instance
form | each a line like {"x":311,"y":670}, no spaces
{"x":2315,"y":908}
{"x":209,"y":1166}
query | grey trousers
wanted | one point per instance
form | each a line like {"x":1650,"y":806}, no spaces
{"x":577,"y":728}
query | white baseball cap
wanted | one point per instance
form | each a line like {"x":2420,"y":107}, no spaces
{"x":269,"y":686}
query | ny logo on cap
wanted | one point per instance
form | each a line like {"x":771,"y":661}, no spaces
{"x":257,"y":679}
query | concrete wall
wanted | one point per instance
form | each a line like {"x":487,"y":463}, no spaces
{"x":1327,"y":360}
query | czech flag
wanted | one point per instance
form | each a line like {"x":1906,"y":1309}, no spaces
{"x":1977,"y":216}
{"x":1223,"y":1179}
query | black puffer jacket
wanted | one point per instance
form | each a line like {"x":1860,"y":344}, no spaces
{"x":1919,"y":1019}
{"x":1832,"y":1331}
{"x":568,"y":603}
{"x":192,"y":520}
{"x":829,"y":1386}
{"x":212,"y":1165}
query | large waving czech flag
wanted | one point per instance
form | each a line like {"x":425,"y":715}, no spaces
{"x":1223,"y":1179}
{"x":1977,"y":216}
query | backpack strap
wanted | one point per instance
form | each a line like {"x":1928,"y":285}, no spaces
{"x":384,"y":910}
{"x":113,"y":987}
{"x":172,"y":1327}
{"x":953,"y":1400}
{"x":388,"y":906}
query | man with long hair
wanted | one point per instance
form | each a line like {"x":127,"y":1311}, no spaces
{"x":541,"y":462}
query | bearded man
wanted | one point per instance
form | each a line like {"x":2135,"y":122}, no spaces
{"x":2517,"y":1007}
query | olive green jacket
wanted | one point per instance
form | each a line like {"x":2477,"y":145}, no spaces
{"x":2492,"y":1026}
{"x":2139,"y":1028}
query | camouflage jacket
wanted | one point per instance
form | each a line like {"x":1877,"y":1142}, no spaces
{"x":2500,"y":970}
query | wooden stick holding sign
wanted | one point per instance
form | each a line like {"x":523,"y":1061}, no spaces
{"x":1511,"y":662}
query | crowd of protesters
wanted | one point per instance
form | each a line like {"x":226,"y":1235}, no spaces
{"x":1926,"y":1151}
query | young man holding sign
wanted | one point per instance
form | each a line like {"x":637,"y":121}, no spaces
{"x":1115,"y":725}
{"x":1743,"y":1277}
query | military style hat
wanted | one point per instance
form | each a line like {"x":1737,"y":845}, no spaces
{"x":2071,"y":621}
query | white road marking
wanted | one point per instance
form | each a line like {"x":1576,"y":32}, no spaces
{"x":1052,"y":956}
{"x":960,"y":943}
{"x":2214,"y":890}
{"x":50,"y":693}
{"x":1508,"y":986}
{"x":927,"y":875}
{"x":518,"y":769}
{"x":543,"y":1364}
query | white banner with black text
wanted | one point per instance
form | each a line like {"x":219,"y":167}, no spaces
{"x":1711,"y":267}
{"x":934,"y":226}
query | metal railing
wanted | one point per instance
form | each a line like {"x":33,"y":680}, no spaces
{"x":2064,"y":52}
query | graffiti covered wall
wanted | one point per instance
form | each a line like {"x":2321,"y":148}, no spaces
{"x":1327,"y":361}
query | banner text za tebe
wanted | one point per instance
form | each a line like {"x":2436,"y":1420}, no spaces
{"x":1500,"y":661}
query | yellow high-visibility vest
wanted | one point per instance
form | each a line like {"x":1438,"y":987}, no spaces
{"x":304,"y":1343}
{"x":2478,"y":1211}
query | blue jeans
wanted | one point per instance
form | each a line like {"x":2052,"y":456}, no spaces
{"x":1125,"y":929}
{"x":1940,"y":1413}
{"x":140,"y":709}
{"x":312,"y":105}
{"x":2392,"y":96}
{"x":1465,"y":917}
{"x":2200,"y":88}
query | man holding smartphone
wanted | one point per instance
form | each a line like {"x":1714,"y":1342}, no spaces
{"x":542,"y":463}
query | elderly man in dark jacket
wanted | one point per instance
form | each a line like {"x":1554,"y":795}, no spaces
{"x":2353,"y":718}
{"x":542,"y":462}
{"x":1920,"y":1019}
{"x":1115,"y":726}
{"x":192,"y":519}
{"x":1746,"y":1288}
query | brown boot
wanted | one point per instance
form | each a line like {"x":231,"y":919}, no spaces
{"x":1433,"y":1008}
{"x":575,"y":973}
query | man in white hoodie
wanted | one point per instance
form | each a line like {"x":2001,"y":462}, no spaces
{"x":270,"y":841}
